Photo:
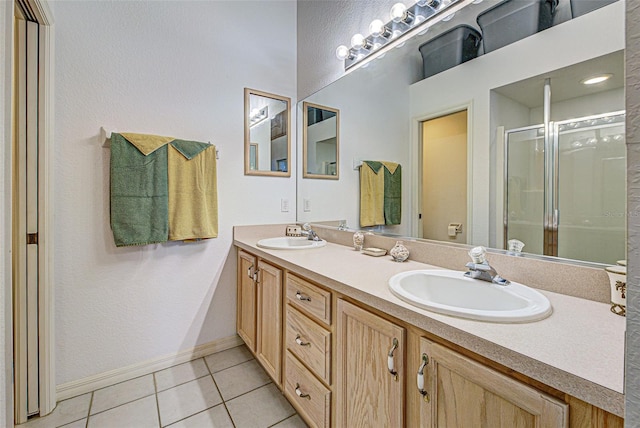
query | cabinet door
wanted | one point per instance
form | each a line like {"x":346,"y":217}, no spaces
{"x":368,"y":348}
{"x":269,"y":342}
{"x":464,"y":393}
{"x":246,"y":316}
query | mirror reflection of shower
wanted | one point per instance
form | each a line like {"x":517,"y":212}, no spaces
{"x":559,"y":148}
{"x":587,"y":188}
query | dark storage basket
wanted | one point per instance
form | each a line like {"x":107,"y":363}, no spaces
{"x":580,"y":7}
{"x":458,"y":45}
{"x":513,"y":20}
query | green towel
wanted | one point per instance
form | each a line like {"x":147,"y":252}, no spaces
{"x":392,"y":193}
{"x":139,"y":194}
{"x":189,"y":149}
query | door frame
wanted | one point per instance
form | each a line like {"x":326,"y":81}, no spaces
{"x":416,"y":160}
{"x":43,"y":16}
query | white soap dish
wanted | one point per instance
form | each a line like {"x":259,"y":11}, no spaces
{"x":375,"y":252}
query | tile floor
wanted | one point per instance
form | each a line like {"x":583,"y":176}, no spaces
{"x":225,"y":389}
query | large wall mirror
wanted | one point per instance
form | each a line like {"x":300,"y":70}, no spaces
{"x":320,"y":141}
{"x":267,"y":135}
{"x":384,"y":108}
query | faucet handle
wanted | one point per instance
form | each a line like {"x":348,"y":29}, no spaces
{"x":306,"y":227}
{"x":477,"y":254}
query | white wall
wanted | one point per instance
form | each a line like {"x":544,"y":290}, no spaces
{"x":322,"y":27}
{"x":589,"y":105}
{"x":6,"y":332}
{"x":592,"y":35}
{"x":168,"y":68}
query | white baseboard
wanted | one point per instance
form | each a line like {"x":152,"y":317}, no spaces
{"x":101,"y":380}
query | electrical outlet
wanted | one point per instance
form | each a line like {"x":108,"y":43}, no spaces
{"x":284,"y":205}
{"x":307,"y":205}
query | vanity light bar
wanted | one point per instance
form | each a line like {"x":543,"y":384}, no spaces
{"x":258,"y":115}
{"x":404,"y":24}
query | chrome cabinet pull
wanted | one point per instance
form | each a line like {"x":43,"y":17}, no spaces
{"x":300,"y":342}
{"x":302,"y":297}
{"x":420,"y":379}
{"x":390,"y":360}
{"x":249,"y":272}
{"x":300,"y":394}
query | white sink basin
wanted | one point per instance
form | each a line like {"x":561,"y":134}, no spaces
{"x":290,"y":243}
{"x":451,"y":293}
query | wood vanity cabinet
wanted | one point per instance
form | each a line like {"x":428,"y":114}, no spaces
{"x":269,"y":320}
{"x":370,"y":371}
{"x":307,"y":373}
{"x":246,"y":312}
{"x":460,"y":392}
{"x":259,"y":317}
{"x":344,"y":365}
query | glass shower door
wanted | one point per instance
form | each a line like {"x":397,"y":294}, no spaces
{"x":591,"y":183}
{"x":524,"y":187}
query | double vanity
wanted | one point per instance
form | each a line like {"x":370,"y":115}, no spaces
{"x":347,"y":337}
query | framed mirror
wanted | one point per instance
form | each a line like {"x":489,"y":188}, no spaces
{"x":267,"y":133}
{"x":320,"y":141}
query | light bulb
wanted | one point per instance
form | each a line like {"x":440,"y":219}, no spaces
{"x":399,"y":12}
{"x":377,"y":28}
{"x":342,"y":52}
{"x":254,"y":112}
{"x":358,"y":41}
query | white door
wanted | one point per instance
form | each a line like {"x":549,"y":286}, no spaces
{"x":34,"y":387}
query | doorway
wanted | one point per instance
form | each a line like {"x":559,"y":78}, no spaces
{"x":32,"y":216}
{"x":443,"y":183}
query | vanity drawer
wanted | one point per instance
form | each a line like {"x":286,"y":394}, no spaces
{"x":310,"y":342}
{"x":309,"y":298}
{"x":308,"y":395}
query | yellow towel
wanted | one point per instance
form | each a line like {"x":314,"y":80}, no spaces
{"x":193,"y":195}
{"x":391,"y":166}
{"x":371,"y":196}
{"x":146,"y":143}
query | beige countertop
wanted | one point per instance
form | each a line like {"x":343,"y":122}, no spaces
{"x":578,"y":350}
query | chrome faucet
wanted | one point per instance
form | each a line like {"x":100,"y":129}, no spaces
{"x":309,"y":233}
{"x":479,"y":268}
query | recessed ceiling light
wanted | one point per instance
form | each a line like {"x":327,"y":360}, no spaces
{"x":596,"y":79}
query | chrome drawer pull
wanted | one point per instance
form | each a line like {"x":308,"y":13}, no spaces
{"x":300,"y":342}
{"x":301,"y":394}
{"x":301,"y":296}
{"x":390,"y":361}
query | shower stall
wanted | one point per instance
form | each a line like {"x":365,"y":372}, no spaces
{"x":565,"y":188}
